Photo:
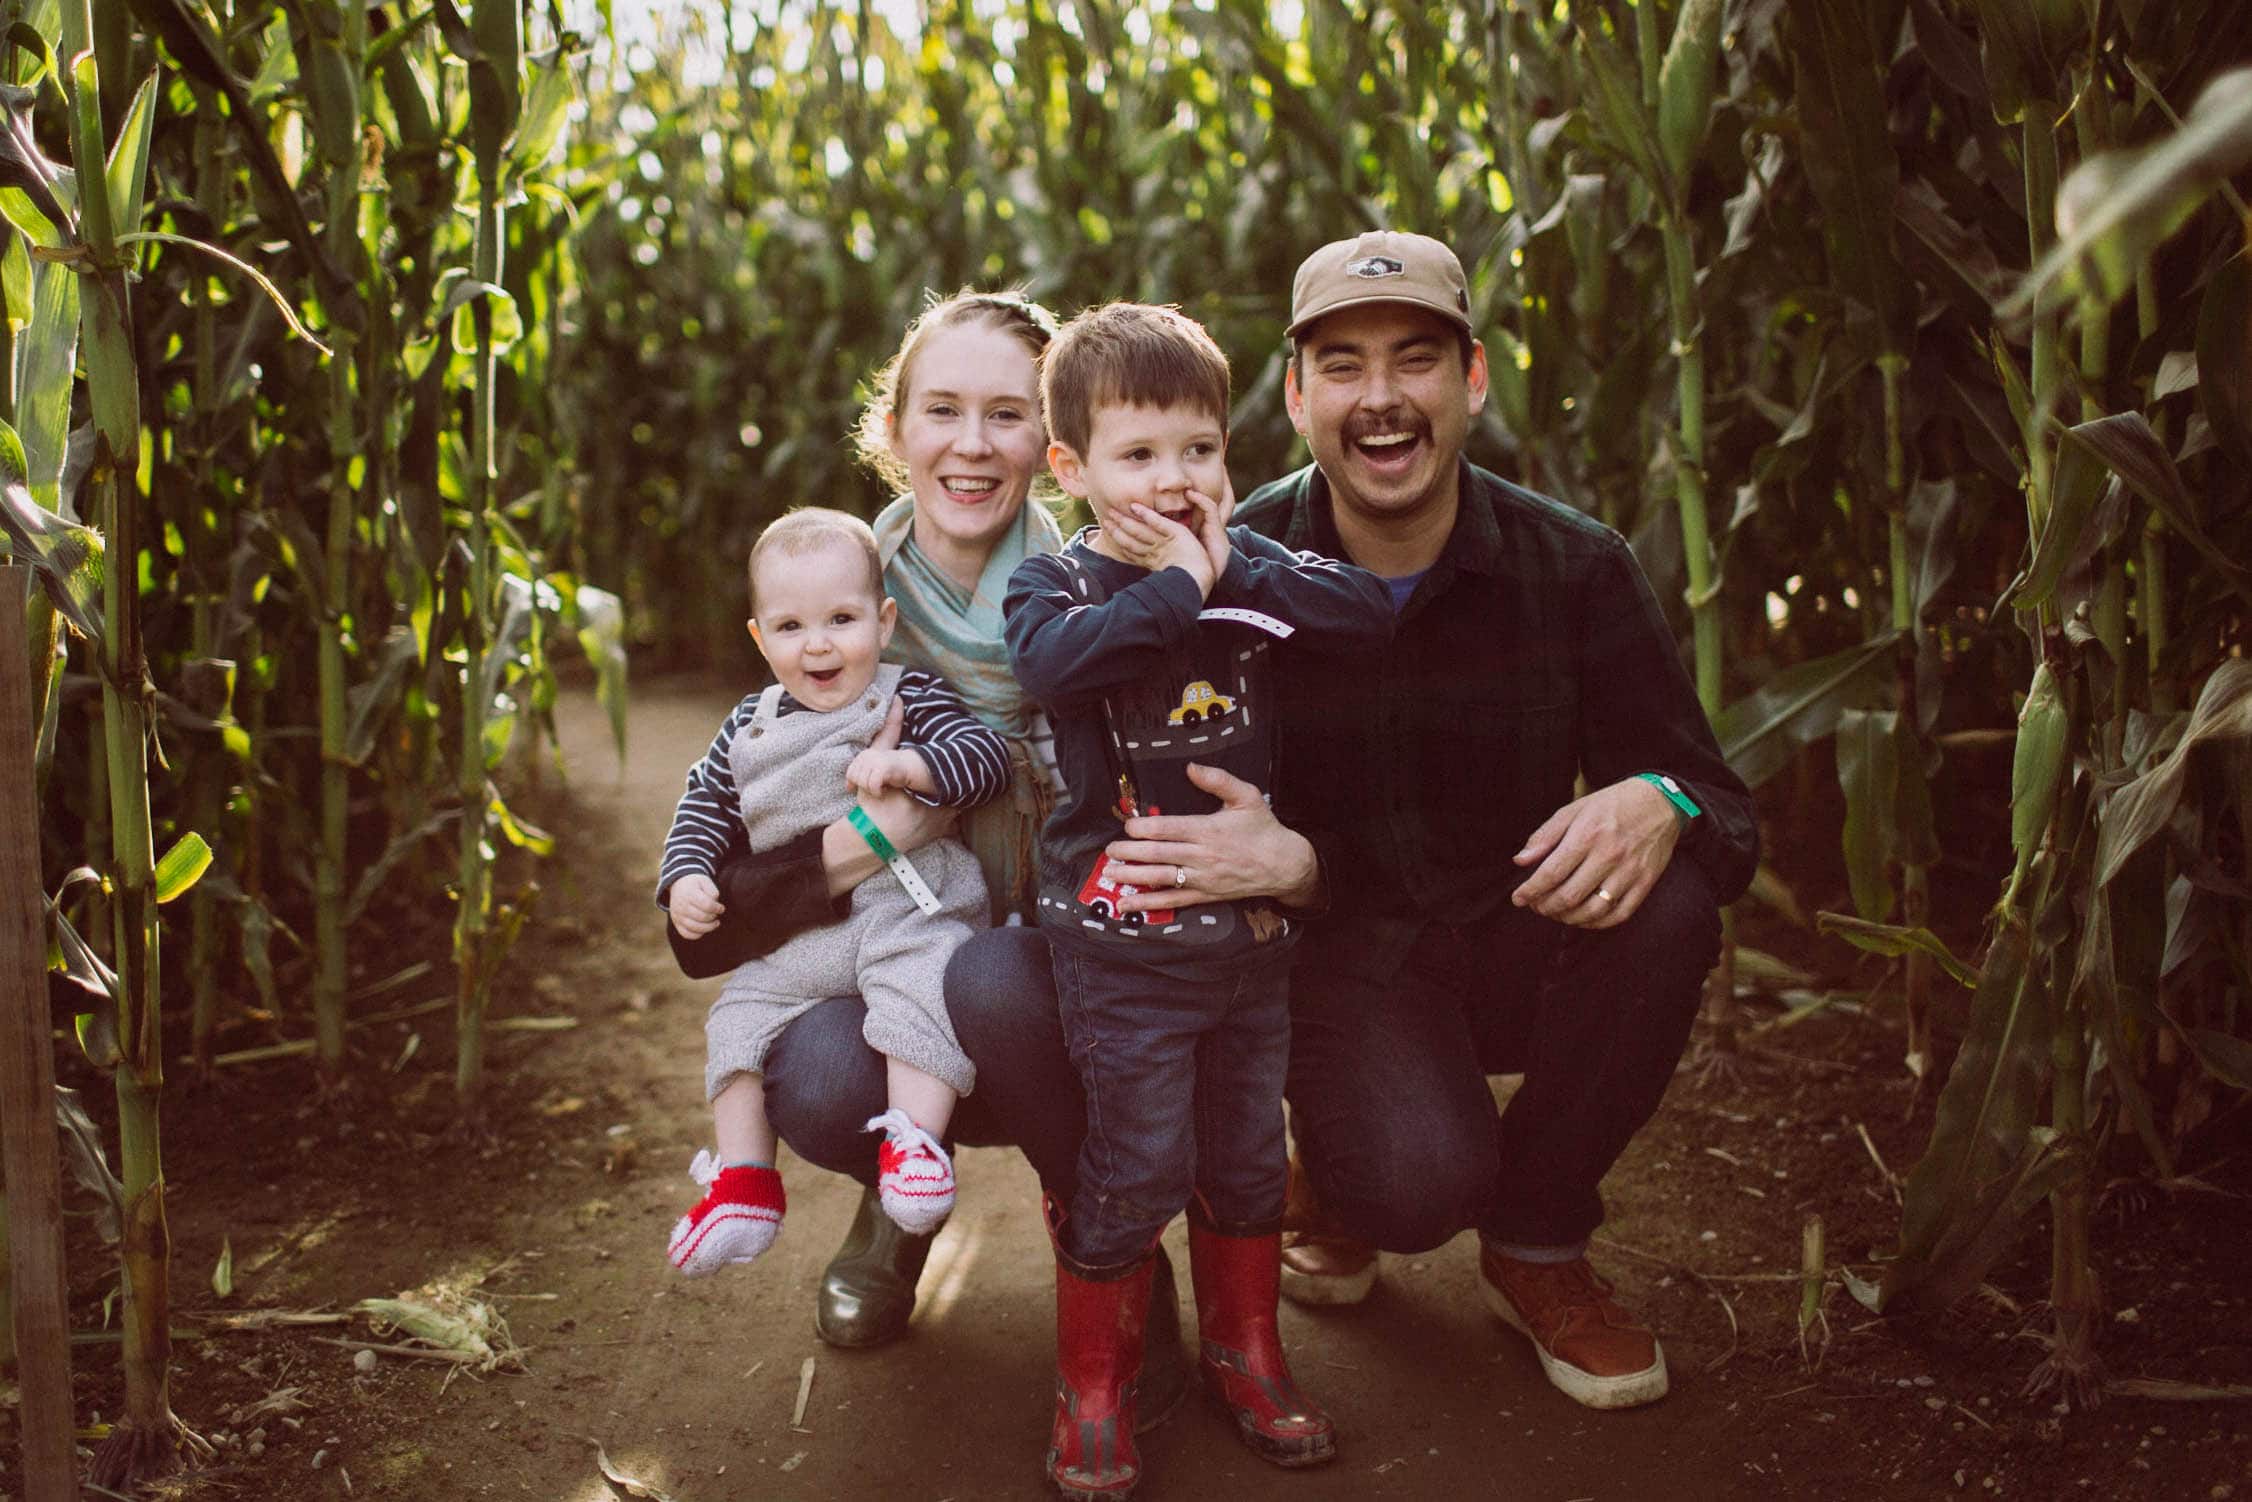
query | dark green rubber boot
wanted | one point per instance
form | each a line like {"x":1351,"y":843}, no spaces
{"x":1165,"y":1355}
{"x":868,"y":1289}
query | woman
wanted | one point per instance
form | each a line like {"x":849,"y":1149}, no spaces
{"x":954,"y":426}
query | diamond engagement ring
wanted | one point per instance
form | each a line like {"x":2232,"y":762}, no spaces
{"x":1180,"y":876}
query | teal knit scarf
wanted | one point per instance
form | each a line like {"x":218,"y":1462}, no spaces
{"x":957,"y":635}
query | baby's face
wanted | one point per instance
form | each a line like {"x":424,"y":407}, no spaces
{"x":821,"y":626}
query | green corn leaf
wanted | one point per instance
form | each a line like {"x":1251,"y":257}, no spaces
{"x":15,"y":281}
{"x":2226,"y":1057}
{"x":128,"y":170}
{"x":2137,"y":812}
{"x":25,"y":35}
{"x":46,"y":359}
{"x":33,"y":190}
{"x":371,"y":701}
{"x":2125,"y":444}
{"x":2224,"y":358}
{"x":1984,"y":1123}
{"x":336,"y":113}
{"x":96,"y":982}
{"x":186,"y":29}
{"x":2024,"y":43}
{"x":1759,"y":732}
{"x":521,"y":833}
{"x":508,"y":323}
{"x":598,"y":619}
{"x":68,"y":558}
{"x":181,"y":867}
{"x":495,"y":54}
{"x":223,"y":1275}
{"x":2118,"y":207}
{"x":2014,"y":390}
{"x":546,"y":110}
{"x":2122,"y":942}
{"x":401,"y":846}
{"x":89,"y":1165}
{"x":95,"y":225}
{"x":2077,"y":487}
{"x":1897,"y":942}
{"x":1868,"y":757}
{"x":385,"y":50}
{"x":1614,"y":103}
{"x":1852,"y":168}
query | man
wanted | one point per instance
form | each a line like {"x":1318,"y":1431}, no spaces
{"x":1468,"y":914}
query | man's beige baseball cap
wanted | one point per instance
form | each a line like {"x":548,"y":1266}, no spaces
{"x":1383,"y":265}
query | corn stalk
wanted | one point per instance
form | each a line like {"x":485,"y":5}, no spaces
{"x":111,"y":186}
{"x":331,"y":46}
{"x":492,"y":44}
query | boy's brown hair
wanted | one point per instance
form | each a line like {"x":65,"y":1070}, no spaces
{"x":809,"y":529}
{"x":1129,"y":354}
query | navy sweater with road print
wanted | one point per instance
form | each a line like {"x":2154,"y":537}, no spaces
{"x":1142,"y":678}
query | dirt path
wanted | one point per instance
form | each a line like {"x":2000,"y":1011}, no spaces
{"x":691,"y":1387}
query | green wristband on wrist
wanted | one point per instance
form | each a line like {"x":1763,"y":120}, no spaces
{"x":1674,"y":795}
{"x":858,"y":818}
{"x":889,"y":854}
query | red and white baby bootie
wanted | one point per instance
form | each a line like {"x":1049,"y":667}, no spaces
{"x":915,"y":1178}
{"x":738,"y":1217}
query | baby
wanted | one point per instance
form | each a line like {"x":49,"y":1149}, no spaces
{"x":790,"y":759}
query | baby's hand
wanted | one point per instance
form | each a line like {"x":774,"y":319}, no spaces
{"x":873,"y":771}
{"x":695,"y":906}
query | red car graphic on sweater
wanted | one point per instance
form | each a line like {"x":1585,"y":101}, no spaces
{"x":1101,"y":894}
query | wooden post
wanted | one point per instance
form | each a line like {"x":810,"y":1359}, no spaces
{"x":27,"y":1090}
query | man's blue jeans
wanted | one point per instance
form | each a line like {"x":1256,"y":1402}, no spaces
{"x":1395,"y":1033}
{"x":1183,"y":1086}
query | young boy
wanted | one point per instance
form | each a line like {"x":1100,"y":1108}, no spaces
{"x":1147,"y":640}
{"x":788,"y":760}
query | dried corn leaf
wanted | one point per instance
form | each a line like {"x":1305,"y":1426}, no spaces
{"x":632,"y":1486}
{"x":2179,"y":1392}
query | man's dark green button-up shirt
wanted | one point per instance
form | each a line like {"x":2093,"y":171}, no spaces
{"x":1532,"y":651}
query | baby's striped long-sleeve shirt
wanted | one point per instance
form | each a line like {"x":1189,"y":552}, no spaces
{"x":969,"y":762}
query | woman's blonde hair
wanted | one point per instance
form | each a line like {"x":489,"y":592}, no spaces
{"x":1010,"y":311}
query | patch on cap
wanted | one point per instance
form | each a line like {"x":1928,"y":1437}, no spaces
{"x":1375,"y":266}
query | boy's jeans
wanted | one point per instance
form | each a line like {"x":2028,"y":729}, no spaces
{"x":1183,"y":1079}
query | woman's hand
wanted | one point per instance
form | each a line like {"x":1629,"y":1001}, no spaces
{"x":1238,"y":850}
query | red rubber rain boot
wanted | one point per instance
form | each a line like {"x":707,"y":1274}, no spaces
{"x":1091,"y":1453}
{"x":1237,"y":1279}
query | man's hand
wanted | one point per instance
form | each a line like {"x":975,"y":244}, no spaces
{"x":1239,"y":849}
{"x":1597,"y":857}
{"x":695,"y":906}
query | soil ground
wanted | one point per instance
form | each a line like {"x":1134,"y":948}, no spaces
{"x":558,"y":1223}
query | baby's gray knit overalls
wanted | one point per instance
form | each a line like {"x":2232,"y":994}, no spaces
{"x":790,"y":771}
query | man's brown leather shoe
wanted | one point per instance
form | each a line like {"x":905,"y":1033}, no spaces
{"x":1591,"y":1348}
